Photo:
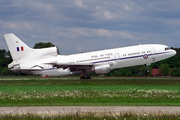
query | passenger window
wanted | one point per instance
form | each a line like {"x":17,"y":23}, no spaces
{"x":166,"y":49}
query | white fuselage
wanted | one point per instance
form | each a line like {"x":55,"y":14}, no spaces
{"x":117,"y":58}
{"x":47,"y":61}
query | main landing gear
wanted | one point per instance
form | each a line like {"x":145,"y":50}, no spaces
{"x":147,"y":70}
{"x":84,"y":75}
{"x":147,"y":66}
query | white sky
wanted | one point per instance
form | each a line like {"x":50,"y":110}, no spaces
{"x":88,"y":25}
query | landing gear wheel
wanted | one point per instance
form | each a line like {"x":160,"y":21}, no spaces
{"x":147,"y":71}
{"x":147,"y":66}
{"x":82,"y":77}
{"x":88,"y":77}
{"x":85,"y":77}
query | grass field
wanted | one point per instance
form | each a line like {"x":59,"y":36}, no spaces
{"x":36,"y":91}
{"x":92,"y":116}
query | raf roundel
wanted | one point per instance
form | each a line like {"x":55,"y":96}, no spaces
{"x":145,"y":56}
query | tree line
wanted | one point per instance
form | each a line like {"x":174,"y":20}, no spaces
{"x":170,"y":65}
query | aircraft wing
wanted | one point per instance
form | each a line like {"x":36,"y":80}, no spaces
{"x":72,"y":66}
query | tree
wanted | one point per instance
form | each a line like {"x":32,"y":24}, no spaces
{"x":43,"y":45}
{"x":6,"y":71}
{"x":177,"y":52}
{"x":175,"y":72}
{"x":173,"y":62}
{"x":128,"y":71}
{"x":1,"y":64}
{"x":164,"y":69}
{"x":5,"y":59}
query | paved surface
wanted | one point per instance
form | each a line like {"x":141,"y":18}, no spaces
{"x":84,"y":110}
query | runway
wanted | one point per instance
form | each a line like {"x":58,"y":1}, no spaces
{"x":84,"y":110}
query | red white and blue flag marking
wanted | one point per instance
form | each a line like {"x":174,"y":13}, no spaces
{"x":20,"y":48}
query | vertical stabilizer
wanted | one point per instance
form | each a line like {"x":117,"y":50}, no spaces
{"x":18,"y":49}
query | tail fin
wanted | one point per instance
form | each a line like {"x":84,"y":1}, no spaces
{"x":18,"y":49}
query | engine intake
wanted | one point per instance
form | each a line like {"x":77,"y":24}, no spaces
{"x":101,"y":69}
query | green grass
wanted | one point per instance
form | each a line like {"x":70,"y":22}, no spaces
{"x":41,"y":88}
{"x":28,"y":91}
{"x":92,"y":116}
{"x":93,"y":97}
{"x":97,"y":83}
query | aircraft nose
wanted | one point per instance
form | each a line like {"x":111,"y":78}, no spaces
{"x":174,"y":52}
{"x":170,"y":53}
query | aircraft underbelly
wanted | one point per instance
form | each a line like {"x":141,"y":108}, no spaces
{"x":53,"y":72}
{"x":127,"y":62}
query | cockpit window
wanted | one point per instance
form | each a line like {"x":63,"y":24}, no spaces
{"x":167,"y":48}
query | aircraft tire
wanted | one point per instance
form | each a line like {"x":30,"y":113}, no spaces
{"x":85,"y":77}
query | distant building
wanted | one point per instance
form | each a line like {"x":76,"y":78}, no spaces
{"x":155,"y":72}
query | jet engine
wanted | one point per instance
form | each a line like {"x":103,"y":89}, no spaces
{"x":14,"y":67}
{"x":101,"y":69}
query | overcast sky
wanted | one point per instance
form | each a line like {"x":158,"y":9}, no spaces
{"x":87,"y":25}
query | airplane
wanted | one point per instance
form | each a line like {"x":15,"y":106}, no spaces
{"x":48,"y":63}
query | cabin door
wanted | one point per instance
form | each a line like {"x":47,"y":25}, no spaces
{"x":117,"y":56}
{"x":117,"y":60}
{"x":153,"y":53}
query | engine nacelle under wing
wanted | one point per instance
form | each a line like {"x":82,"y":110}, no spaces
{"x":101,"y":69}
